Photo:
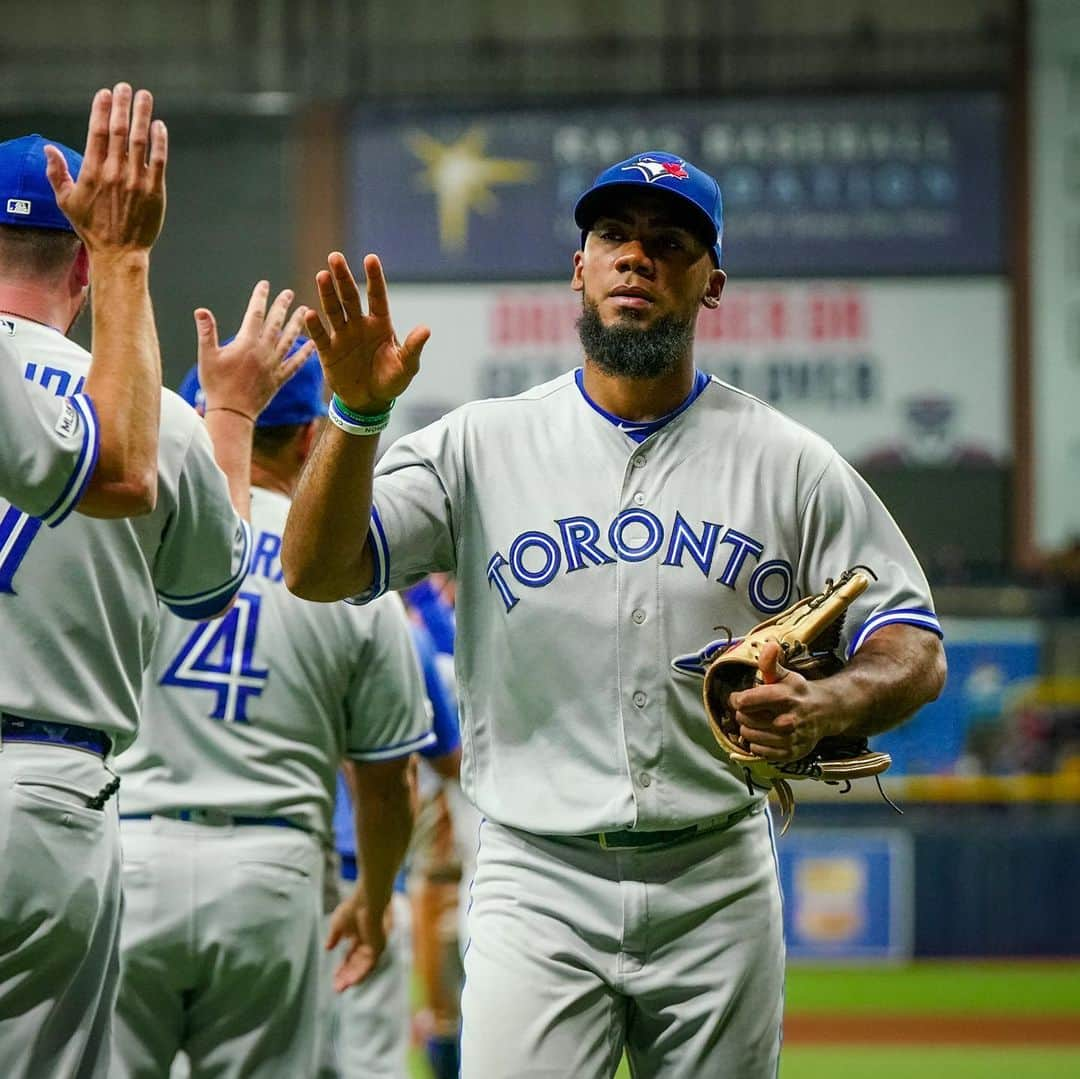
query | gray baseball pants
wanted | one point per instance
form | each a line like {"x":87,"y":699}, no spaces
{"x":577,"y":953}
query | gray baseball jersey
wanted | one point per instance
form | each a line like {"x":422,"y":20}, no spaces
{"x":251,"y":714}
{"x":589,"y":552}
{"x":48,"y":444}
{"x":79,"y":604}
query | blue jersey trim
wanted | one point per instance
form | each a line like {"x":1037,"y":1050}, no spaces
{"x":392,"y":752}
{"x":444,"y":714}
{"x":80,"y":476}
{"x":641,"y":431}
{"x":911,"y":616}
{"x":213,"y":601}
{"x":380,"y":556}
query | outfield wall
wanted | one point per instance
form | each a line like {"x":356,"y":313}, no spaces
{"x":986,"y":879}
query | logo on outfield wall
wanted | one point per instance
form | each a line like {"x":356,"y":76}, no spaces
{"x":462,"y":177}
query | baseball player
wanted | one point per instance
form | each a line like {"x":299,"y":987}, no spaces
{"x":228,"y":795}
{"x":368,"y":1024}
{"x":79,"y":602}
{"x":626,"y":893}
{"x":94,"y":447}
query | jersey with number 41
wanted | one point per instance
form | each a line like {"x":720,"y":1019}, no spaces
{"x":251,"y":714}
{"x":79,"y":602}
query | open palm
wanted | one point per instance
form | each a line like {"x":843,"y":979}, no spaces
{"x":364,"y":363}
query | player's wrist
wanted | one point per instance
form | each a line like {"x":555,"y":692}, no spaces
{"x":355,"y":422}
{"x":118,"y":260}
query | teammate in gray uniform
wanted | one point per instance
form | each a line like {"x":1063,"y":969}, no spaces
{"x":97,"y":447}
{"x":228,"y":795}
{"x":79,"y":602}
{"x":626,"y":894}
{"x":47,"y":454}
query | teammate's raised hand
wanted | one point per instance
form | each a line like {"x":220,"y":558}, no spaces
{"x":118,"y":202}
{"x":243,"y":375}
{"x":364,"y":363}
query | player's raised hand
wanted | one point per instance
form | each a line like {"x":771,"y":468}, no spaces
{"x":364,"y":363}
{"x":243,"y":375}
{"x":353,"y":921}
{"x":117,"y":205}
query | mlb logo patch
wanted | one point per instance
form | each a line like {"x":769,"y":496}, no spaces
{"x":19,"y":206}
{"x":68,"y":423}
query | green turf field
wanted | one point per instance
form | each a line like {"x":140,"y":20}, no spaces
{"x":959,"y":1062}
{"x":1036,"y":989}
{"x":1029,"y":988}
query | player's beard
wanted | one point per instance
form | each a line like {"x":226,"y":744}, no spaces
{"x":630,"y":349}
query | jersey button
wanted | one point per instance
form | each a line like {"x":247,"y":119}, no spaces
{"x":640,"y":699}
{"x":639,"y":499}
{"x":644,"y":779}
{"x":638,"y":616}
{"x":640,"y":460}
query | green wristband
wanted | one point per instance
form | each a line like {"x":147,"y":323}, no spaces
{"x":360,"y":418}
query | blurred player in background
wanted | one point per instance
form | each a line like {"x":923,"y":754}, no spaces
{"x":444,"y":851}
{"x":370,"y":1023}
{"x":79,"y":602}
{"x":229,"y":791}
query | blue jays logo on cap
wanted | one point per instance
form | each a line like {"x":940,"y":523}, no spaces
{"x":26,"y":196}
{"x":300,"y":400}
{"x":695,"y":190}
{"x":652,"y":169}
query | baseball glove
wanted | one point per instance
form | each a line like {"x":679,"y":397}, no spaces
{"x":808,"y":634}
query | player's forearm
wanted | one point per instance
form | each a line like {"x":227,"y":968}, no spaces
{"x":231,"y":433}
{"x":897,"y":670}
{"x":124,"y":384}
{"x":324,"y":551}
{"x":384,"y":821}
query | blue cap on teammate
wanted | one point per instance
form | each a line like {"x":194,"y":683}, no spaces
{"x":26,"y":196}
{"x":697,"y":191}
{"x":300,"y":400}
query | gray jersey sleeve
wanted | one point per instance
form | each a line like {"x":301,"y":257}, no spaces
{"x":388,"y":713}
{"x":845,"y":524}
{"x":415,"y":508}
{"x":48,"y":445}
{"x":206,"y":548}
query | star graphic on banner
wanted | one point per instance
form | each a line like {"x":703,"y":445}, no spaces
{"x":461,"y":176}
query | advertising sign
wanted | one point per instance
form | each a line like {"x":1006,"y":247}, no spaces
{"x":818,"y":187}
{"x":848,"y":895}
{"x":892,"y":373}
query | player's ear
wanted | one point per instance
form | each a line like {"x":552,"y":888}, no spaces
{"x":80,"y":269}
{"x":713,"y":288}
{"x":305,"y":443}
{"x":577,"y":283}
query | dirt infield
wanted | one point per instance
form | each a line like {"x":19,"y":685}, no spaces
{"x":821,"y":1028}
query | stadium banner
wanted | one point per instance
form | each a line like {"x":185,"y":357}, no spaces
{"x":1055,"y":271}
{"x":834,"y":186}
{"x":848,"y":894}
{"x":879,"y":368}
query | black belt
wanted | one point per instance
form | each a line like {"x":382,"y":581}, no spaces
{"x":632,"y":839}
{"x":20,"y":729}
{"x":215,"y":818}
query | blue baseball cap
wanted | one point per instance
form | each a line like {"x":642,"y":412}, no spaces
{"x":300,"y":400}
{"x":26,"y":196}
{"x":659,"y":171}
